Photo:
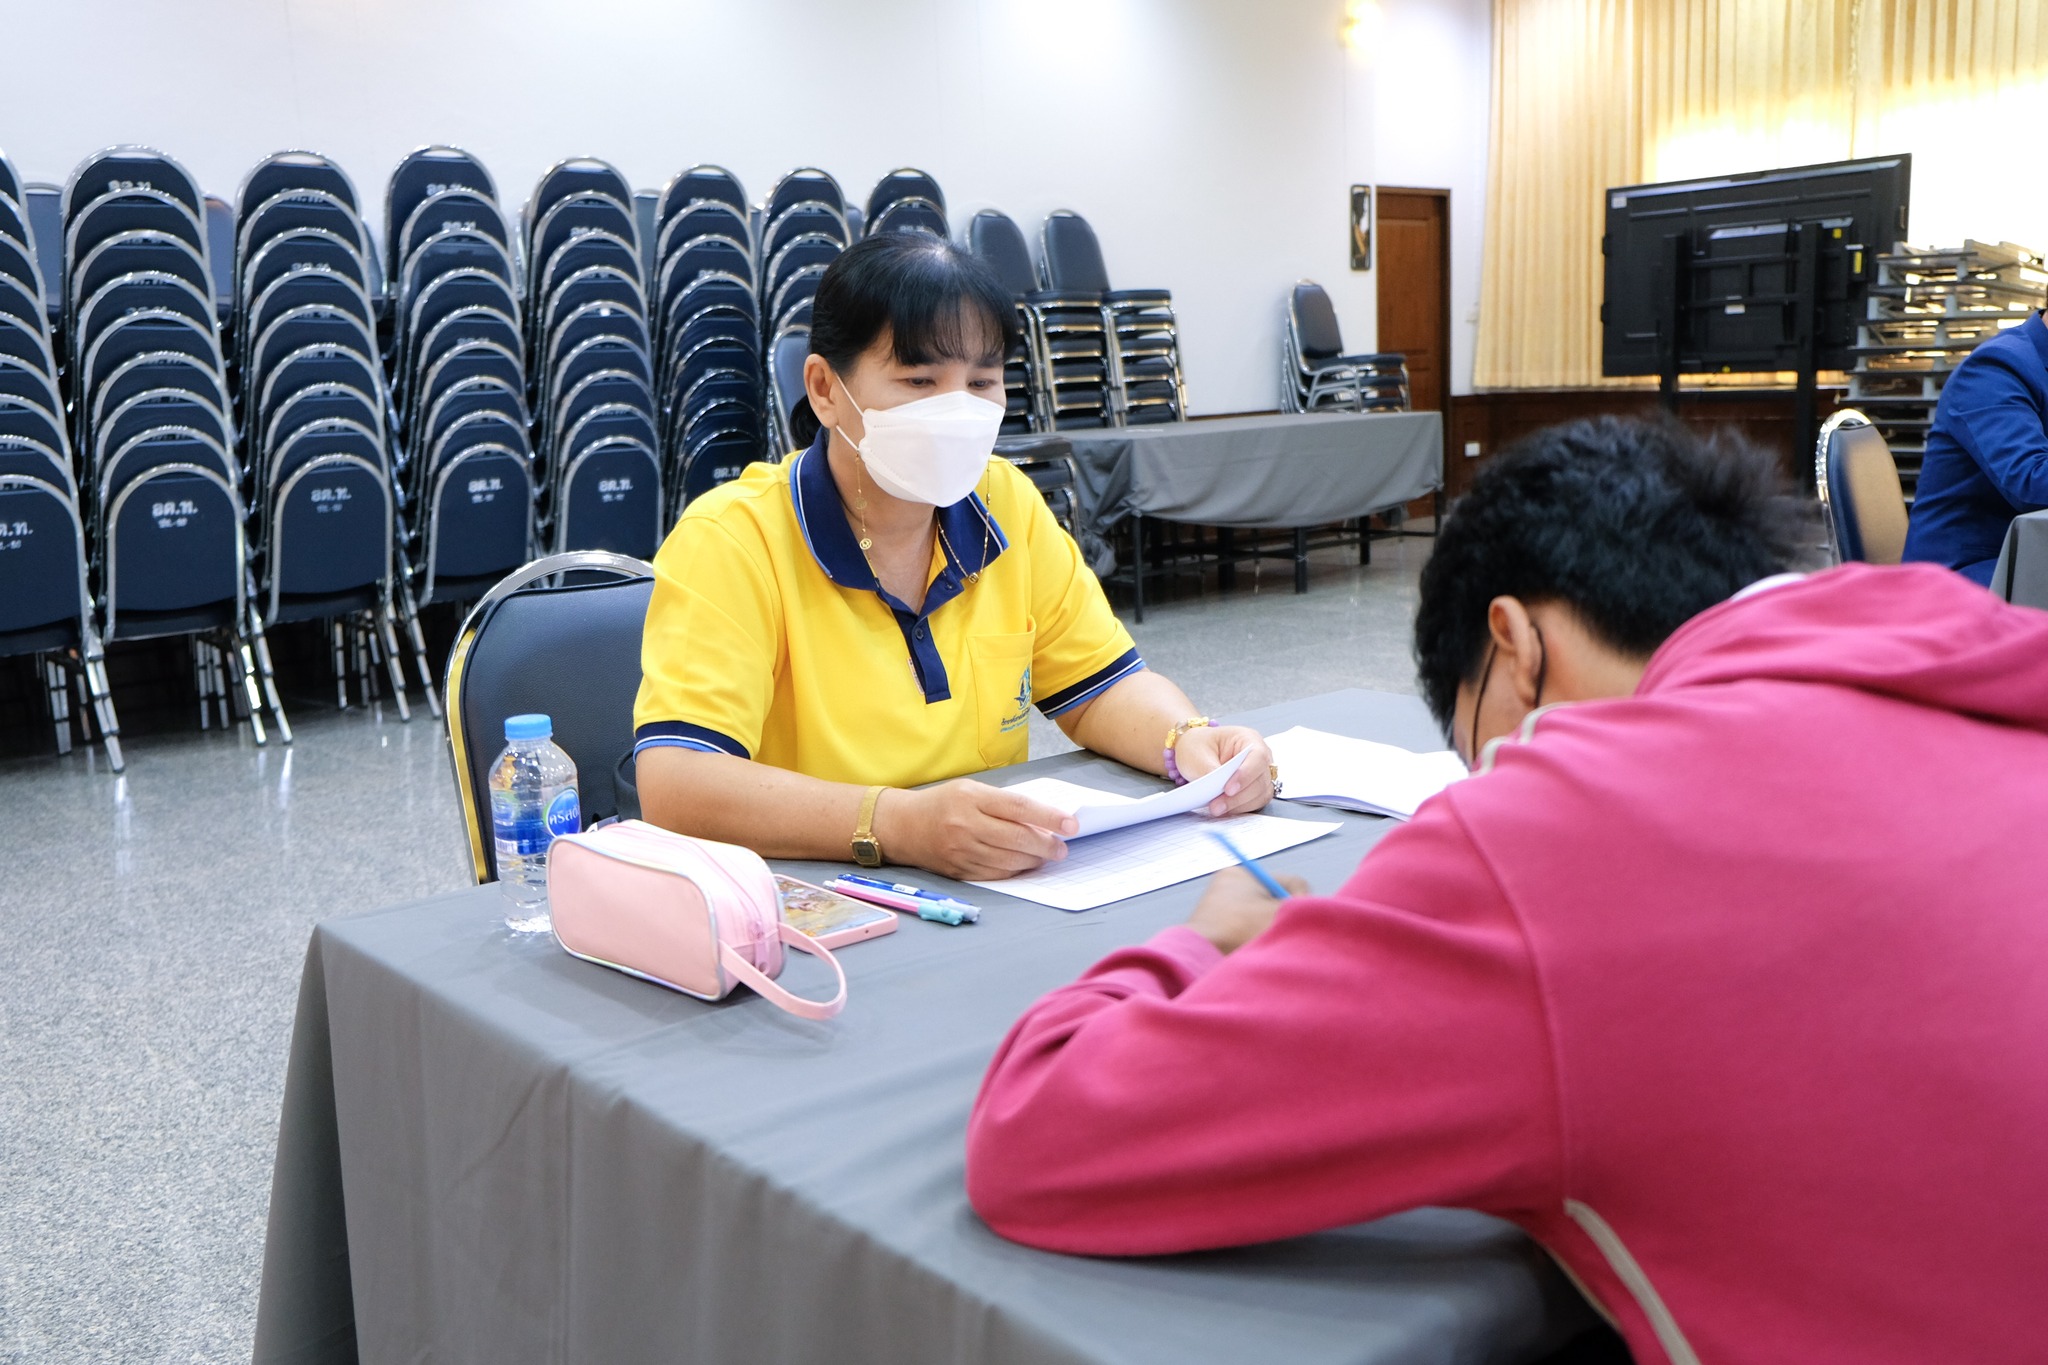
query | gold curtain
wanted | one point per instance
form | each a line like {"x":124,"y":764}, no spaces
{"x":1589,"y":94}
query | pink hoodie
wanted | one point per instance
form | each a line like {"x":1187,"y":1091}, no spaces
{"x":1733,"y":993}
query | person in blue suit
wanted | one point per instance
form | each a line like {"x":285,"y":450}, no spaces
{"x":1987,"y":453}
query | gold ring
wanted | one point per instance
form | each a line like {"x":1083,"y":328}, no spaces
{"x":1273,"y":776}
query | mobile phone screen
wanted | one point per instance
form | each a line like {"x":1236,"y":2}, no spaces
{"x":816,"y":912}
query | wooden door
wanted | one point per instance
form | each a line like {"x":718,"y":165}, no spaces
{"x":1414,"y":246}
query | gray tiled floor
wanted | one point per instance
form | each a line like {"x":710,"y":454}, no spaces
{"x":152,"y":928}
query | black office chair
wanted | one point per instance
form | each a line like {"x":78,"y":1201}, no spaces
{"x":1858,"y":482}
{"x":1061,"y":378}
{"x":1141,"y":333}
{"x":1315,"y":372}
{"x":548,"y":639}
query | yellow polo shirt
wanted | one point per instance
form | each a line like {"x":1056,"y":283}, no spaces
{"x":769,"y":638}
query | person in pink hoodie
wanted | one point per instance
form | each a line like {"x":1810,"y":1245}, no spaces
{"x":1725,"y":976}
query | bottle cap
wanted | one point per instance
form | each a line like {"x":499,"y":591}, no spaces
{"x":529,"y":727}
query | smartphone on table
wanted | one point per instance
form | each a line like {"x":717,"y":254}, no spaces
{"x":831,"y":919}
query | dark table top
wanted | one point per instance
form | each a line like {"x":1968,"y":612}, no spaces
{"x":538,"y":1158}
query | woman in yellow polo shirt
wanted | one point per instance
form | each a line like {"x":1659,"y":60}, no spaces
{"x":880,"y":610}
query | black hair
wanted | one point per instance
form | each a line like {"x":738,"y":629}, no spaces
{"x":1638,"y":526}
{"x":936,"y":301}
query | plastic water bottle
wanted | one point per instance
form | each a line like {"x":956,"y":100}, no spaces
{"x":533,"y":799}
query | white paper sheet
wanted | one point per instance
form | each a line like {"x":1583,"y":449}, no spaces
{"x":1129,"y":862}
{"x":1100,"y":811}
{"x":1356,"y":774}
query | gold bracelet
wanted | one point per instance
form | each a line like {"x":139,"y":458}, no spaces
{"x":1172,"y":765}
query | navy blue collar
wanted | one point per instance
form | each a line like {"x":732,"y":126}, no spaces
{"x":972,"y":537}
{"x":972,"y":540}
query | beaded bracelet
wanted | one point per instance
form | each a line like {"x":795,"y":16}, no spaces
{"x":1173,"y":738}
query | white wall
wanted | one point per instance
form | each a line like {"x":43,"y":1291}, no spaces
{"x":1211,"y":142}
{"x":1420,"y":96}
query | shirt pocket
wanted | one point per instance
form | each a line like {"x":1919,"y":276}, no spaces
{"x":1002,"y":695}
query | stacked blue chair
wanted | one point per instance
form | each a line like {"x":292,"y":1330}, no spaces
{"x":786,"y":355}
{"x":457,"y":361}
{"x":162,"y":487}
{"x":315,"y":417}
{"x":905,"y":200}
{"x":45,"y":601}
{"x":708,"y":314}
{"x":1140,"y":334}
{"x":592,"y":363}
{"x":805,"y":227}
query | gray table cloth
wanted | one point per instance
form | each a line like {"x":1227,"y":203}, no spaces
{"x":493,"y":1152}
{"x":2022,"y":572}
{"x":1277,"y":472}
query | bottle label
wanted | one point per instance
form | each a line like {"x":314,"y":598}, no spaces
{"x":514,"y":836}
{"x":565,"y":814}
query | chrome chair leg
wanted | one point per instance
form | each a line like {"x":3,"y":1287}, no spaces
{"x":389,"y":637}
{"x":340,"y":666}
{"x":222,"y":688}
{"x":103,"y":701}
{"x":255,"y":643}
{"x":58,"y":687}
{"x":419,"y":642}
{"x":239,"y":646}
{"x":202,"y":679}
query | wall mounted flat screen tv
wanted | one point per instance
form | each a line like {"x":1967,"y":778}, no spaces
{"x":1717,"y":265}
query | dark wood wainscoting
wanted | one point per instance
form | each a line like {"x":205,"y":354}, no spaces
{"x":1493,"y":420}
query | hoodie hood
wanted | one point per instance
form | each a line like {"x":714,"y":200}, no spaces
{"x":1915,"y":632}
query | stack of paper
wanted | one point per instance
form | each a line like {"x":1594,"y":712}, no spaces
{"x":1098,"y":812}
{"x":1127,"y":847}
{"x":1323,"y":769}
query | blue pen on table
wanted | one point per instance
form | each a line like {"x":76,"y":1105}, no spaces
{"x":1273,"y":888}
{"x":929,"y":905}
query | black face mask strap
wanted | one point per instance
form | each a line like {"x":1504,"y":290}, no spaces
{"x":1478,"y":696}
{"x":1542,"y":663}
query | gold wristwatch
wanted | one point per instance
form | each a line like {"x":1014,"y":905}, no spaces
{"x":867,"y":849}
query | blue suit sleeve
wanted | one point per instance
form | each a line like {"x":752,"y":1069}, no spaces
{"x":2000,"y":422}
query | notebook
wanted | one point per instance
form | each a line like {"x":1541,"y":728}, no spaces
{"x":1322,"y":769}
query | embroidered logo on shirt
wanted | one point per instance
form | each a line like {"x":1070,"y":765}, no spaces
{"x":1023,"y":699}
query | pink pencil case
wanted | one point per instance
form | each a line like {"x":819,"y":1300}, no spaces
{"x":694,"y":915}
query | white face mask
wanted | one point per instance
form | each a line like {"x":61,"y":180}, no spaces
{"x":933,"y":450}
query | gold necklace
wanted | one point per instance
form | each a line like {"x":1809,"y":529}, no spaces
{"x":860,"y":512}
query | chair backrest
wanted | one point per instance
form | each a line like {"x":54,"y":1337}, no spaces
{"x":1315,"y":322}
{"x":284,"y":172}
{"x":806,"y":184}
{"x":909,"y":215}
{"x":1859,"y":487}
{"x":131,"y":167}
{"x":699,"y":183}
{"x":571,"y":651}
{"x":906,"y":182}
{"x":1073,"y":258}
{"x":577,"y":175}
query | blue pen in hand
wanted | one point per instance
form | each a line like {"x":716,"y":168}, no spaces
{"x":1273,"y":888}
